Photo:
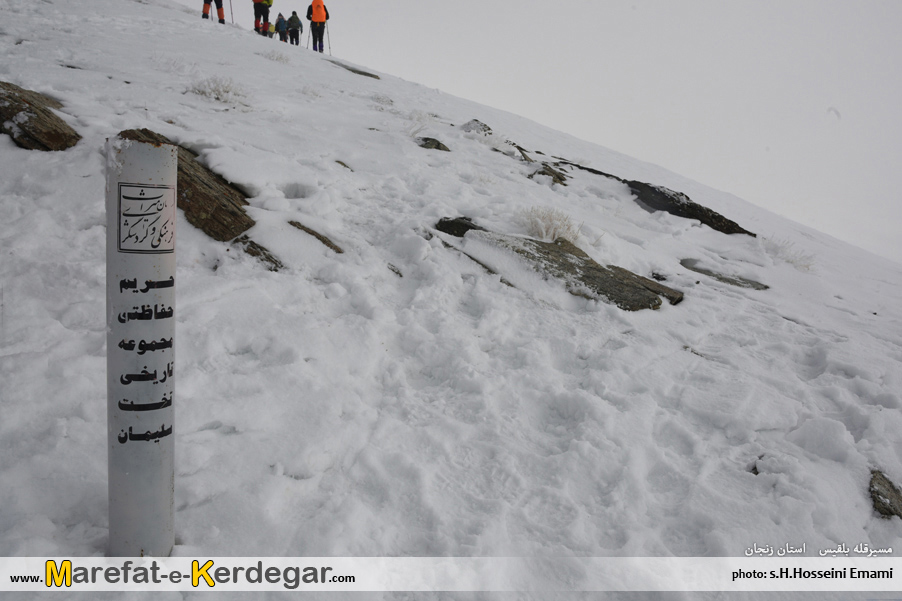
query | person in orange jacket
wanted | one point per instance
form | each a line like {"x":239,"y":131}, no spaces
{"x":261,"y":16}
{"x":219,"y":11}
{"x":317,"y":14}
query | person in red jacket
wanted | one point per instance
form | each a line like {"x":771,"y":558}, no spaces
{"x":261,"y":16}
{"x":317,"y":14}
{"x":219,"y":10}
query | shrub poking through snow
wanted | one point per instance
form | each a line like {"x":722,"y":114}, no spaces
{"x":548,"y":224}
{"x":221,"y":89}
{"x":785,"y":251}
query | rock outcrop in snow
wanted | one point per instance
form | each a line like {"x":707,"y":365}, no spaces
{"x":583,"y":276}
{"x":886,"y":497}
{"x":432,"y":144}
{"x":28,"y":119}
{"x":650,"y":197}
{"x":732,"y":280}
{"x":658,"y":198}
{"x":565,"y":261}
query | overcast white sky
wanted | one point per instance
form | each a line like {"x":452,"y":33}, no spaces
{"x":793,"y":105}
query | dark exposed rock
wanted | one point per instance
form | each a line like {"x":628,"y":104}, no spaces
{"x":626,"y":276}
{"x":324,"y":239}
{"x":26,"y":116}
{"x":258,"y":251}
{"x":523,"y":152}
{"x":648,"y":196}
{"x":355,"y":70}
{"x":476,"y":126}
{"x":733,"y":280}
{"x":428,"y":235}
{"x":555,"y":175}
{"x":529,"y":159}
{"x":658,"y":198}
{"x":485,"y":267}
{"x":458,"y":226}
{"x":432,"y":144}
{"x":583,"y":276}
{"x":562,"y":259}
{"x":209,"y":202}
{"x":885,"y":495}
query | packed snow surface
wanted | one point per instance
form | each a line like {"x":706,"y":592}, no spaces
{"x":397,"y":399}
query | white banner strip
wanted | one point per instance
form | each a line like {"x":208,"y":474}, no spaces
{"x":432,"y":574}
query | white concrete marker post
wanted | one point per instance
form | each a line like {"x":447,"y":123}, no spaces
{"x":141,"y":214}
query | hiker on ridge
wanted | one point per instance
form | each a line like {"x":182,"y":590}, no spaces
{"x":261,"y":16}
{"x":219,"y":11}
{"x":317,"y":14}
{"x":295,"y":28}
{"x":282,"y":28}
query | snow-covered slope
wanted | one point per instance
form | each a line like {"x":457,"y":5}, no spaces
{"x":335,"y":408}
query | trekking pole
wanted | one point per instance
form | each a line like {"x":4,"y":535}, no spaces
{"x":308,"y":37}
{"x":329,"y":38}
{"x":232,"y":10}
